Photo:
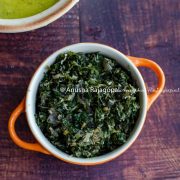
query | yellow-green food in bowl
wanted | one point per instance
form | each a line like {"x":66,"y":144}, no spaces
{"x":15,"y":9}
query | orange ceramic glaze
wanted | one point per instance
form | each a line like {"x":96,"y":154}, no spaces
{"x":149,"y":99}
{"x":11,"y":126}
{"x":141,"y":62}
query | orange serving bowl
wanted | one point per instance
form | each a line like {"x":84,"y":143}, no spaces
{"x":28,"y":104}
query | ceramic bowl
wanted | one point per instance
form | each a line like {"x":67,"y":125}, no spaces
{"x":38,"y":20}
{"x":29,"y":102}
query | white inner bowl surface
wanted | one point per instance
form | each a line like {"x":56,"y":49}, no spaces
{"x":86,"y":48}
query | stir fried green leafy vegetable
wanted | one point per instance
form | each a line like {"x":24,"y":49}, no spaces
{"x":75,"y":110}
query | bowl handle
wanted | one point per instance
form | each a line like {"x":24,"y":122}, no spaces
{"x":141,"y":62}
{"x":11,"y":127}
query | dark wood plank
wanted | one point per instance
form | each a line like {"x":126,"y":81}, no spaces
{"x":149,"y":29}
{"x":20,"y":55}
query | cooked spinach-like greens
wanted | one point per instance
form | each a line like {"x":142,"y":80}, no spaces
{"x":78,"y":119}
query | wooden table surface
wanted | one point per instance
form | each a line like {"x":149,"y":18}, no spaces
{"x":144,"y":28}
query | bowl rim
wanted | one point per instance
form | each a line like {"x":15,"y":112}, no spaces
{"x":38,"y":20}
{"x":44,"y":142}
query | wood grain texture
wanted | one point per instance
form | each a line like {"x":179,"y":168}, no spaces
{"x":141,"y":28}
